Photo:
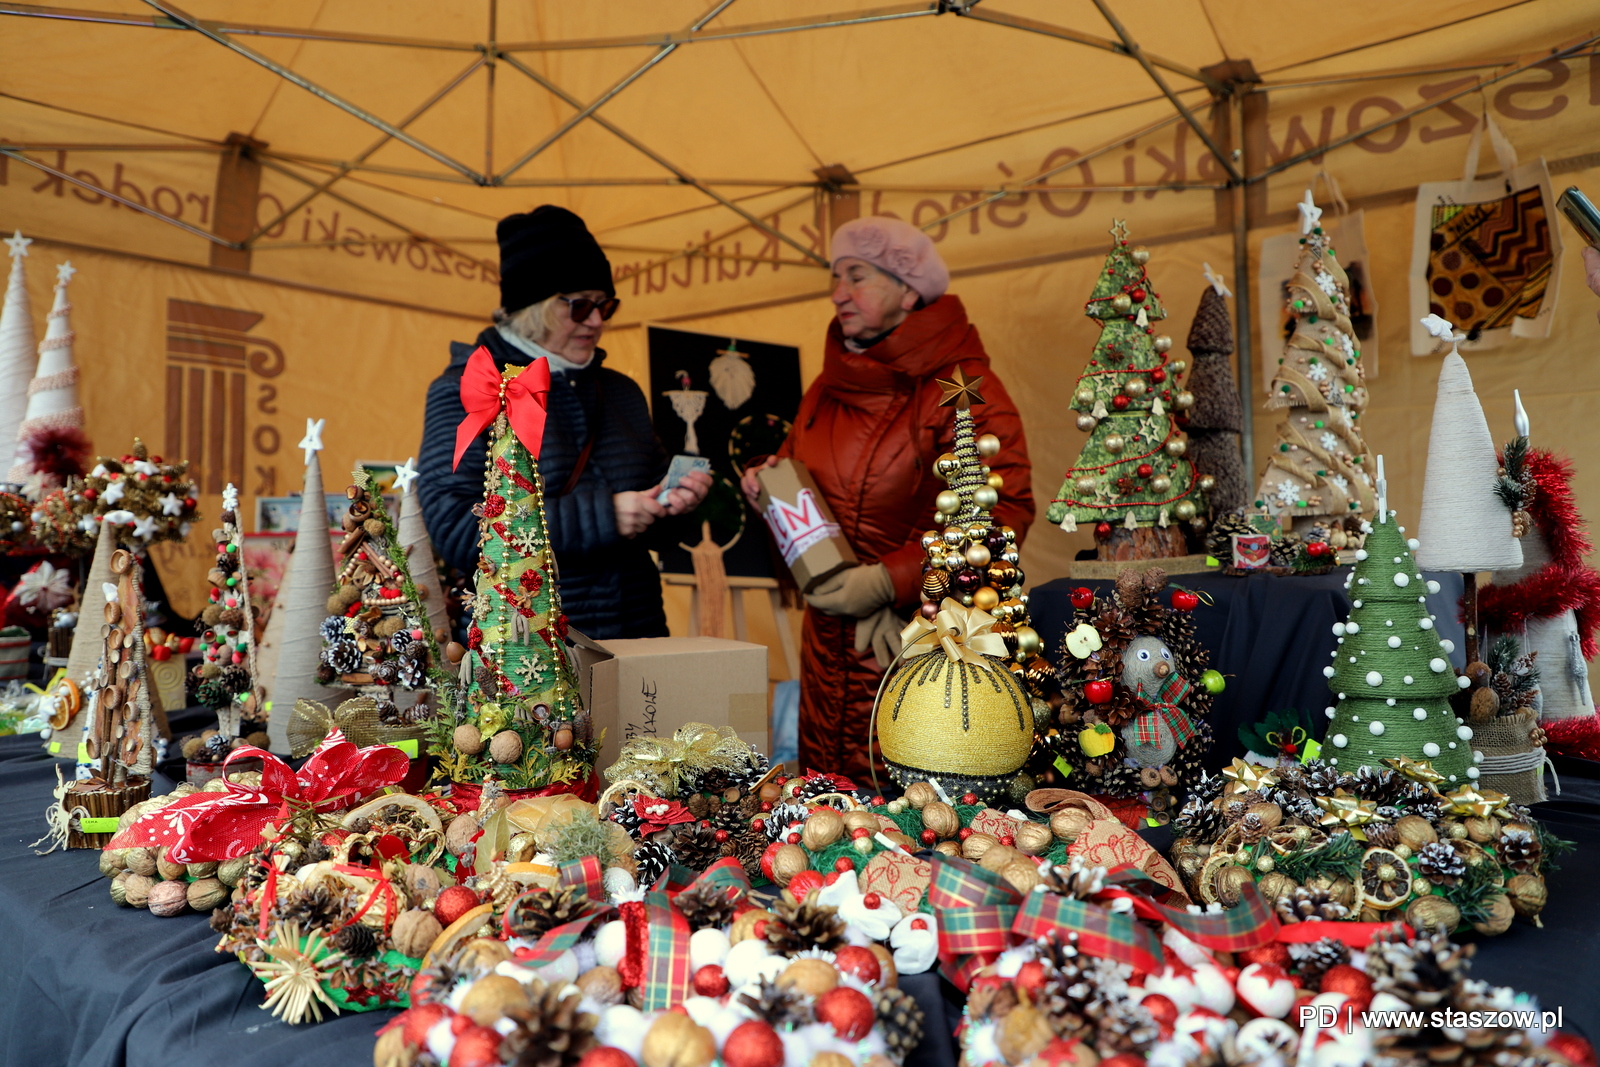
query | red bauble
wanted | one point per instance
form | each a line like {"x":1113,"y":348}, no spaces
{"x":794,"y":839}
{"x":419,"y":1020}
{"x":1083,"y":597}
{"x":753,"y":1044}
{"x":476,"y":1046}
{"x":1102,"y":531}
{"x":720,"y":836}
{"x":843,"y":864}
{"x":1066,"y":1052}
{"x":964,"y":833}
{"x":606,"y":1056}
{"x":1162,"y":1010}
{"x":1121,"y":1059}
{"x":1343,"y":978}
{"x":1317,"y":549}
{"x":453,"y":902}
{"x":1144,"y":470}
{"x":1273,"y":952}
{"x":766,"y":861}
{"x":804,"y":883}
{"x":1120,"y":402}
{"x":1572,"y":1047}
{"x":1007,"y":840}
{"x":1184,"y":600}
{"x":1137,"y":295}
{"x":929,"y":837}
{"x":1158,"y":375}
{"x":1030,"y":976}
{"x":1097,"y":691}
{"x":853,"y":959}
{"x":848,"y":1011}
{"x":871,"y":901}
{"x":860,"y":832}
{"x":830,"y":878}
{"x":969,"y":798}
{"x":709,"y":981}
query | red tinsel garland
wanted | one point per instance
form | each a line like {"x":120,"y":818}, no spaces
{"x":1506,"y":609}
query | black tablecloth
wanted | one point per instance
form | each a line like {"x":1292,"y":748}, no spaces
{"x":1270,"y":637}
{"x":86,"y":983}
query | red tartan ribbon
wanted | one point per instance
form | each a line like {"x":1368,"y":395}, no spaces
{"x":976,"y":910}
{"x":587,"y":876}
{"x":484,"y":392}
{"x":656,"y":952}
{"x":1173,"y":689}
{"x":204,"y":827}
{"x":1249,"y":924}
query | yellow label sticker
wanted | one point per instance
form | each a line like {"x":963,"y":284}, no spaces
{"x":94,"y":824}
{"x":55,"y":748}
{"x":408,"y":746}
{"x":1063,"y":766}
{"x":83,"y":752}
{"x":1313,"y":749}
{"x":1213,"y":561}
{"x":1152,"y":822}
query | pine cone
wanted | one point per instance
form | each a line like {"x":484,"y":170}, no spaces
{"x":748,"y":849}
{"x":653,"y":859}
{"x":899,"y":1021}
{"x":781,"y":816}
{"x":705,"y":906}
{"x":1519,"y":850}
{"x":1381,"y":835}
{"x":222,"y":920}
{"x":385,"y":672}
{"x":731,"y":817}
{"x":1423,"y":973}
{"x":318,"y":908}
{"x":1377,"y":783}
{"x":1219,"y":541}
{"x":624,"y":816}
{"x":1440,"y":864}
{"x":1312,"y":959}
{"x":1252,"y":828}
{"x":344,"y":656}
{"x":1073,"y":879}
{"x":993,"y":1002}
{"x":332,"y":628}
{"x":1321,"y":780}
{"x":779,"y":1008}
{"x":804,"y":926}
{"x":1200,"y":820}
{"x":435,"y":982}
{"x":356,"y":941}
{"x":537,"y":911}
{"x":1304,"y":904}
{"x":550,"y":1031}
{"x":696,"y":846}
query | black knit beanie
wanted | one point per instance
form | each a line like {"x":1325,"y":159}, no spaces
{"x":548,"y":251}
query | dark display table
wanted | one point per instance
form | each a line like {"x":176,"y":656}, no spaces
{"x":1270,"y":637}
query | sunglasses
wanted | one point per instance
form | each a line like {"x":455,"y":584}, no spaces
{"x":580,"y":308}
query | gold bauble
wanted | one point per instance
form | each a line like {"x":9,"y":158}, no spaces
{"x":977,"y":531}
{"x":1087,"y":423}
{"x":1084,"y":395}
{"x":1184,"y":510}
{"x":822,"y":828}
{"x":1161,"y":343}
{"x":1184,"y":400}
{"x":947,"y":501}
{"x":1139,"y":254}
{"x":1114,"y":443}
{"x":935,"y":584}
{"x":1160,"y":483}
{"x":994,"y":480}
{"x":1177,"y":366}
{"x":1029,"y":642}
{"x":952,"y":536}
{"x":988,"y":445}
{"x":985,"y":599}
{"x":1121,"y":303}
{"x":929,"y":538}
{"x":1085,"y":485}
{"x":985,"y":497}
{"x":1207,"y":483}
{"x":940,"y":517}
{"x":1136,"y":387}
{"x":947,"y":464}
{"x":1177,"y":447}
{"x":977,"y":555}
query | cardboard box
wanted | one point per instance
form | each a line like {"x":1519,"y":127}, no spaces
{"x":808,"y":537}
{"x":652,"y":686}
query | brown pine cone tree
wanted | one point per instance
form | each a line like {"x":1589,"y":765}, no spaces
{"x":803,"y":926}
{"x":1519,"y":850}
{"x":696,"y":846}
{"x":1424,"y":973}
{"x":899,"y":1020}
{"x":1303,"y":904}
{"x":1200,"y":820}
{"x":539,"y":910}
{"x":357,"y":941}
{"x":707,"y":906}
{"x":1440,"y":864}
{"x":780,"y":1008}
{"x":550,"y":1031}
{"x":1313,"y":958}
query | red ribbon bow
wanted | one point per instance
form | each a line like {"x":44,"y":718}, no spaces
{"x":204,"y":827}
{"x":482,"y":389}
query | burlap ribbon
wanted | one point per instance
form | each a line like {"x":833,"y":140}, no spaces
{"x":965,"y":635}
{"x":310,"y":722}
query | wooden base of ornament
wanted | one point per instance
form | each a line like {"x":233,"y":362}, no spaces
{"x":1095,"y":568}
{"x":168,"y":676}
{"x":1276,"y":572}
{"x":106,"y":802}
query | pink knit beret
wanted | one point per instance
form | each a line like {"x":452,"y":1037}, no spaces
{"x":896,"y":247}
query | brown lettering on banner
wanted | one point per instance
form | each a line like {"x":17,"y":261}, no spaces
{"x":769,"y":249}
{"x":440,"y":266}
{"x":727,"y":269}
{"x":650,"y":285}
{"x":421,"y":254}
{"x":329,"y":233}
{"x":471,"y":271}
{"x":1395,"y":136}
{"x":936,"y":209}
{"x":205,"y":206}
{"x":1129,"y":176}
{"x":177,"y":201}
{"x":354,"y":235}
{"x":266,"y":439}
{"x":389,"y":250}
{"x":123,"y":188}
{"x":1297,"y":140}
{"x":1173,"y":167}
{"x":1005,"y":203}
{"x":688,"y":273}
{"x":877,"y":206}
{"x":1047,"y":199}
{"x":266,"y":481}
{"x":88,"y":196}
{"x":1466,"y":121}
{"x":974,"y":218}
{"x":51,"y":181}
{"x":265,"y":405}
{"x":1557,"y":75}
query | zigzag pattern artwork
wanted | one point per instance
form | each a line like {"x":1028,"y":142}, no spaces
{"x":1490,"y":263}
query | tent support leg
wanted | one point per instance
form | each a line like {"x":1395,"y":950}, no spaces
{"x":1244,"y":351}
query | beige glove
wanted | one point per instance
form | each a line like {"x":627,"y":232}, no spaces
{"x":854,"y":593}
{"x":880,"y":631}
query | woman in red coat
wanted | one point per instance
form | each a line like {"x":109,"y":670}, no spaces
{"x":869,"y":429}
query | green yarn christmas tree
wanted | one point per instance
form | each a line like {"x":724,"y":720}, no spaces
{"x":1391,"y":670}
{"x":1132,"y":471}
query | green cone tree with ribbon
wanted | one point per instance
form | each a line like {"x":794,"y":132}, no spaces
{"x":1391,"y":670}
{"x":1132,"y":473}
{"x":514,"y":714}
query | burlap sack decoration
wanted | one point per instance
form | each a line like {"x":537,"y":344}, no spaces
{"x":1105,"y":842}
{"x":1512,"y":763}
{"x":899,"y":878}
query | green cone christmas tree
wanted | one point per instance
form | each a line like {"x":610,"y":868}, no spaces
{"x":1132,"y":473}
{"x":515,"y":714}
{"x":1391,"y":671}
{"x":1320,"y":465}
{"x":226,"y":673}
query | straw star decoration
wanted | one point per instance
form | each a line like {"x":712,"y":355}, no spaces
{"x":1119,"y":230}
{"x":1345,"y":810}
{"x":960,"y":390}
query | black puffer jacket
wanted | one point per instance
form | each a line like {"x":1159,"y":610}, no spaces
{"x":610,"y":587}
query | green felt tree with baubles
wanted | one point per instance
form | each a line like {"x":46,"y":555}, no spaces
{"x":1391,"y":671}
{"x":1132,"y":481}
{"x":515,"y":714}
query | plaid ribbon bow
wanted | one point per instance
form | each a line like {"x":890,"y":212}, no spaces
{"x":1165,"y":704}
{"x":665,"y":975}
{"x":587,"y":876}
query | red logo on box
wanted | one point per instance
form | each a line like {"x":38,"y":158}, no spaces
{"x":798,"y":526}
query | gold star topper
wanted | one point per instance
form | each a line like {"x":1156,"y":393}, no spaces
{"x":1244,"y":776}
{"x":1345,"y":810}
{"x":1479,"y":802}
{"x":1119,"y":230}
{"x":960,"y":390}
{"x":1418,"y":770}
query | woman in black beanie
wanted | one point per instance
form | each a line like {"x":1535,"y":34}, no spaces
{"x":601,"y":463}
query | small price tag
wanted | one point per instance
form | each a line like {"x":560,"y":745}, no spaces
{"x":55,"y":748}
{"x":94,"y":824}
{"x":408,"y":746}
{"x":1312,"y":750}
{"x":1152,"y":822}
{"x":1213,"y":561}
{"x":1063,"y":766}
{"x":83,"y":752}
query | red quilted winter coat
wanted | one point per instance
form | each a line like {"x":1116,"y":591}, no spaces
{"x":869,"y":429}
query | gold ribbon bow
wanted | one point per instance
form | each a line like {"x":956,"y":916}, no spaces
{"x":1480,"y":802}
{"x":1418,"y":770}
{"x":965,"y":634}
{"x":310,"y":722}
{"x":1346,"y":810}
{"x":693,"y":749}
{"x":1244,"y":776}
